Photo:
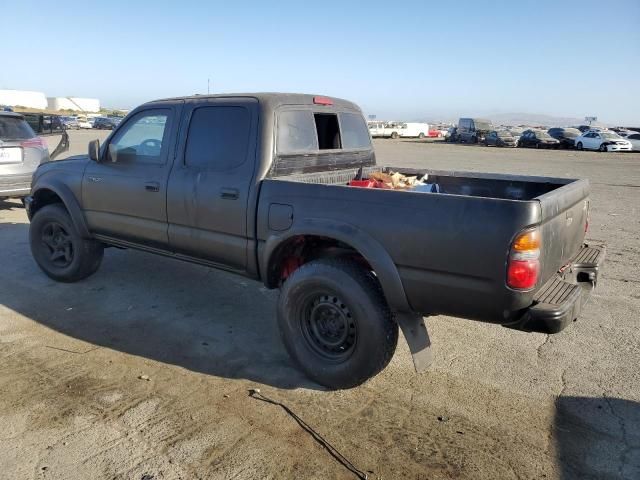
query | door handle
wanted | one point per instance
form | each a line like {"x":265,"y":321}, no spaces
{"x":152,"y":187}
{"x":229,"y":193}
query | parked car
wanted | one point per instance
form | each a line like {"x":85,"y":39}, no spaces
{"x":70,"y":123}
{"x":21,"y":151}
{"x":603,"y":141}
{"x":451,"y":135}
{"x":634,"y":140}
{"x":104,"y":123}
{"x":501,"y":138}
{"x":586,"y":128}
{"x":566,"y":136}
{"x":537,"y":139}
{"x":473,"y":130}
{"x":84,"y":123}
{"x":261,"y":185}
{"x":413,"y":130}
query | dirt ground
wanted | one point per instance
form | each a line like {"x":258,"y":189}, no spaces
{"x":143,"y":370}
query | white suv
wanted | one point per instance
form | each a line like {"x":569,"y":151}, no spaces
{"x":603,"y":141}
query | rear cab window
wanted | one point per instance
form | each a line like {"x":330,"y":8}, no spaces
{"x":306,"y":131}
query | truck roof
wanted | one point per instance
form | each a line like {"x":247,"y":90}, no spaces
{"x":274,"y":99}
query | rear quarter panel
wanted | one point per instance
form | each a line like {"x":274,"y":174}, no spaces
{"x":450,"y":250}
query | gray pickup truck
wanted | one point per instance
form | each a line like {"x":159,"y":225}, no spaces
{"x":262,"y":185}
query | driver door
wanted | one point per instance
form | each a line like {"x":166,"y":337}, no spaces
{"x":124,"y":195}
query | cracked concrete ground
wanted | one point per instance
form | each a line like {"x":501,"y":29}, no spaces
{"x":143,"y":370}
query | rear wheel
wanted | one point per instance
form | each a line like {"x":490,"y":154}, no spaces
{"x":421,"y":135}
{"x":58,"y":248}
{"x":335,"y":322}
{"x":579,"y":146}
{"x":603,"y":148}
{"x":394,"y":135}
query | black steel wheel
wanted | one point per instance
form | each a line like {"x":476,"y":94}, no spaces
{"x":335,"y":323}
{"x":57,"y":247}
{"x":328,"y":326}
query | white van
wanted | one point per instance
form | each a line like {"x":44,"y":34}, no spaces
{"x":408,"y":130}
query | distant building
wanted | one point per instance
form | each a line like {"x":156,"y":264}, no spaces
{"x":89,"y":105}
{"x":23,"y":98}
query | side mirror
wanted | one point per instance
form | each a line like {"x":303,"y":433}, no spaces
{"x":94,"y":150}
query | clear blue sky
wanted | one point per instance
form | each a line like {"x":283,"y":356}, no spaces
{"x":406,"y":59}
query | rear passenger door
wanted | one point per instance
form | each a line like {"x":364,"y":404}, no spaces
{"x":210,"y":183}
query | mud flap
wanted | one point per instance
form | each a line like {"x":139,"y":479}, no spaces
{"x":416,"y":335}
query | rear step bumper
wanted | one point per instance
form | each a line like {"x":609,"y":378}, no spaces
{"x":559,"y":301}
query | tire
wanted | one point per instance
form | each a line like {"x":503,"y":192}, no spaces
{"x":335,"y":323}
{"x":421,"y":135}
{"x":394,"y":135}
{"x":603,"y":148}
{"x":58,"y":248}
{"x":579,"y":146}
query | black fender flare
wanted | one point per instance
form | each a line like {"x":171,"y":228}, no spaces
{"x":367,"y":246}
{"x":68,"y":199}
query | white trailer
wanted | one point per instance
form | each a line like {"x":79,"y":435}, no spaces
{"x":413,"y":130}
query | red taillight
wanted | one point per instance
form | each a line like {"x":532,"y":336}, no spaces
{"x":35,"y":142}
{"x":523,"y":274}
{"x":322,"y":101}
{"x":523,"y":267}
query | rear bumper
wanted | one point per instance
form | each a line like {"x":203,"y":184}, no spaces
{"x":559,"y":301}
{"x":15,"y":185}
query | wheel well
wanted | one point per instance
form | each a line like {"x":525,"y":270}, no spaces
{"x":44,"y":197}
{"x":301,"y":249}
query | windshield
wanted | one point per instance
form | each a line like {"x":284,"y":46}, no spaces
{"x":571,"y":132}
{"x":504,"y":134}
{"x":543,"y":135}
{"x":610,"y":136}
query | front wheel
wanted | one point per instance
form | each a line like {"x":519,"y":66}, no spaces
{"x":579,"y":146}
{"x":394,"y":135}
{"x":603,"y":148}
{"x":335,"y":322}
{"x":58,"y":248}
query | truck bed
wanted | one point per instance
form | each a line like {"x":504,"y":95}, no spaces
{"x":450,"y":248}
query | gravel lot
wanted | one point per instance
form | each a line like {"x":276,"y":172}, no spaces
{"x":143,"y":370}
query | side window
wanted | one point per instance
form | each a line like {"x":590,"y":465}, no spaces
{"x":141,"y":140}
{"x":296,"y":132}
{"x":354,"y":131}
{"x":218,"y":137}
{"x":635,"y":136}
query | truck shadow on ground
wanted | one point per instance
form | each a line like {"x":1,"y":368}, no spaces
{"x":170,"y":311}
{"x":597,"y":438}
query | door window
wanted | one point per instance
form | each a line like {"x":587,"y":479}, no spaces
{"x":141,"y":140}
{"x":218,"y":138}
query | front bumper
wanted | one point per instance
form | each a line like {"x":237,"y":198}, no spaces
{"x":559,"y":301}
{"x":618,"y":148}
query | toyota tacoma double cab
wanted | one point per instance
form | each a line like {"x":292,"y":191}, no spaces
{"x":262,"y":185}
